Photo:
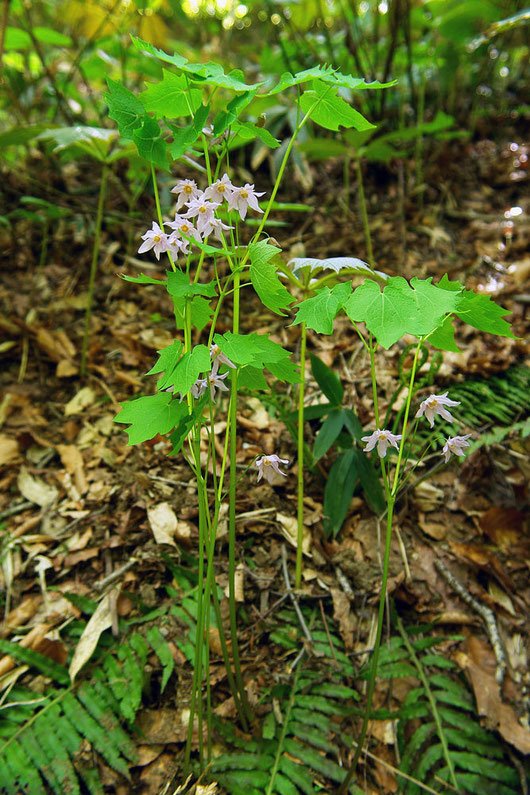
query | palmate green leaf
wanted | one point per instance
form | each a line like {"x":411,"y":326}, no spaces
{"x":185,"y":425}
{"x":319,"y":312}
{"x":124,"y":108}
{"x":150,"y":415}
{"x":168,"y":359}
{"x":249,"y":131}
{"x":355,"y":83}
{"x":141,"y":279}
{"x":187,"y":371}
{"x":443,"y":337}
{"x":230,"y":115}
{"x":171,"y":97}
{"x":183,"y":137}
{"x":484,"y":314}
{"x":400,"y":308}
{"x":179,"y":286}
{"x":331,"y":111}
{"x":287,"y":80}
{"x":264,"y":277}
{"x":200,"y":312}
{"x":210,"y":73}
{"x":150,"y":144}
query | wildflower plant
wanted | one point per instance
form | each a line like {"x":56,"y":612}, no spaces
{"x":188,"y":113}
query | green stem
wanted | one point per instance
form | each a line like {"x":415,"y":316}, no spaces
{"x":232,"y":516}
{"x":364,"y":213}
{"x":419,"y":144}
{"x":94,"y":265}
{"x":375,"y":654}
{"x":300,"y":441}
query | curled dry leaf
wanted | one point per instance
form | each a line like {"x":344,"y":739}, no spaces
{"x":289,"y":528}
{"x":82,"y":400}
{"x":163,"y":523}
{"x":35,"y":489}
{"x":100,"y":620}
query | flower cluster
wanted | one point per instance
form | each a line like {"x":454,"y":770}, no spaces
{"x":198,"y":221}
{"x":213,"y":380}
{"x":430,"y":407}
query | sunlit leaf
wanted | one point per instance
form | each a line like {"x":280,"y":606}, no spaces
{"x":330,"y":110}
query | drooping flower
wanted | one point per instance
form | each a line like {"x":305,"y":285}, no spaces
{"x":203,"y":209}
{"x":219,"y":190}
{"x":382,"y":439}
{"x":186,"y":189}
{"x":219,"y":358}
{"x":455,"y":446}
{"x":156,"y":239}
{"x":435,"y":405}
{"x":216,"y":381}
{"x":242,"y":198}
{"x":199,"y":387}
{"x":267,"y":465}
{"x":217,"y":227}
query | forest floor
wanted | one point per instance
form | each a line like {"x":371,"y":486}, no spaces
{"x":84,"y":509}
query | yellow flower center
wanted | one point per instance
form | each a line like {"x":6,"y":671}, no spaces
{"x":202,"y":209}
{"x":157,"y":238}
{"x":188,"y":189}
{"x":266,"y":462}
{"x":244,"y":194}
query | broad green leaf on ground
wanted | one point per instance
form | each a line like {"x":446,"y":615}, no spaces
{"x":230,"y":115}
{"x":340,"y":486}
{"x":168,"y":359}
{"x":20,"y":135}
{"x":399,"y":308}
{"x":179,"y":285}
{"x":151,"y":146}
{"x":265,"y":279}
{"x":355,"y":83}
{"x":287,"y":79}
{"x":443,"y":337}
{"x":171,"y":97}
{"x":183,"y":137}
{"x":151,"y":415}
{"x":319,"y":312}
{"x":208,"y":73}
{"x":188,"y":369}
{"x":328,"y":381}
{"x":370,"y":481}
{"x":482,"y":313}
{"x":124,"y":108}
{"x":327,"y":435}
{"x":69,"y":136}
{"x":53,"y":37}
{"x":331,"y":111}
{"x":142,"y":279}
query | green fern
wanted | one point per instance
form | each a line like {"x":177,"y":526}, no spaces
{"x":42,"y":736}
{"x":293,"y":756}
{"x":502,"y":401}
{"x":440,"y":738}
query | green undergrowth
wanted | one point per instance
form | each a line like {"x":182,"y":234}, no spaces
{"x":500,"y":402}
{"x":440,"y":739}
{"x":298,"y":750}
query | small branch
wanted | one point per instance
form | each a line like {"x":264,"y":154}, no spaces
{"x":484,"y":612}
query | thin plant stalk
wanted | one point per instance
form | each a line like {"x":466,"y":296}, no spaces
{"x":419,"y":143}
{"x":391,"y":493}
{"x":300,"y":444}
{"x":364,"y":213}
{"x":94,"y":265}
{"x":232,"y":517}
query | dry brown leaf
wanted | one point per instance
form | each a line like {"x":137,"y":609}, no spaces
{"x":80,"y":401}
{"x":163,"y":523}
{"x":21,"y":614}
{"x":289,"y":527}
{"x":343,"y":614}
{"x":99,"y":621}
{"x":35,"y":489}
{"x":8,"y":449}
{"x":503,"y":526}
{"x":73,"y":461}
{"x":31,"y":641}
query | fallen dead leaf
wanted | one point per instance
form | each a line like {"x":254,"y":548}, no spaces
{"x":163,"y":523}
{"x":100,"y":620}
{"x":343,"y":614}
{"x":35,"y":489}
{"x":73,"y":461}
{"x":8,"y":449}
{"x":289,"y":528}
{"x":82,"y":400}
